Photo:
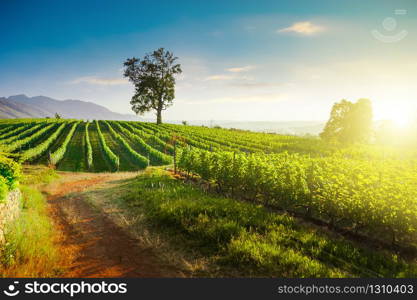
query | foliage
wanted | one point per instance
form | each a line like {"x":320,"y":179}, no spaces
{"x":249,"y":238}
{"x":152,"y":139}
{"x":30,"y":250}
{"x":89,"y":148}
{"x":359,"y":189}
{"x":42,"y":147}
{"x":140,"y":160}
{"x":16,"y":129}
{"x":357,"y":195}
{"x":111,"y":157}
{"x":60,"y":152}
{"x":21,"y":135}
{"x":349,"y":122}
{"x":156,"y":157}
{"x":21,"y":142}
{"x":10,"y":171}
{"x":3,"y":189}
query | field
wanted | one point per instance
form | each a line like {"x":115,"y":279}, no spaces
{"x":278,"y":205}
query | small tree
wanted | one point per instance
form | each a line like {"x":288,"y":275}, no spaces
{"x":185,"y":123}
{"x":154,"y":81}
{"x":349,"y":122}
{"x":58,"y":116}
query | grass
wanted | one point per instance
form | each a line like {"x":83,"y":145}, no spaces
{"x":36,"y":175}
{"x":30,"y":249}
{"x":249,"y":239}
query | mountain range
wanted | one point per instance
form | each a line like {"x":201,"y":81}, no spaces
{"x":22,"y":106}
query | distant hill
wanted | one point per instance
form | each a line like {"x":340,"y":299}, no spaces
{"x":22,"y":106}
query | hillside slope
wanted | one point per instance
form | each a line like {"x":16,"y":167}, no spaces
{"x":21,"y":106}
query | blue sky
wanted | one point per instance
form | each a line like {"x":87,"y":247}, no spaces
{"x":242,"y":60}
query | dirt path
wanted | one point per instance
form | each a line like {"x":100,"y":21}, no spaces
{"x":92,"y":244}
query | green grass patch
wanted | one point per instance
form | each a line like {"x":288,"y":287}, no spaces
{"x":29,"y":250}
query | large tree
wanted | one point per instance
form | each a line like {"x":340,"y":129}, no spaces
{"x":349,"y":122}
{"x":154,"y":80}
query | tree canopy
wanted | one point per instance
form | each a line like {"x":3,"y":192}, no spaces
{"x":349,"y":122}
{"x":154,"y":81}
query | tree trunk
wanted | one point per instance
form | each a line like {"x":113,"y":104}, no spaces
{"x":159,"y":116}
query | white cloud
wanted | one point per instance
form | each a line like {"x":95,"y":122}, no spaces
{"x":240,"y":69}
{"x":219,"y":77}
{"x":99,"y":81}
{"x":304,"y":28}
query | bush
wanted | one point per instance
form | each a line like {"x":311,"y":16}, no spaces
{"x":11,"y":171}
{"x":3,"y":189}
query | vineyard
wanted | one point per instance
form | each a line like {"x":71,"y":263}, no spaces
{"x":108,"y":146}
{"x":366,"y":191}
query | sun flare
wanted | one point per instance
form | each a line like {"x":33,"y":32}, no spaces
{"x":400,"y":119}
{"x":400,"y":116}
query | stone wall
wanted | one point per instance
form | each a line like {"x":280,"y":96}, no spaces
{"x":9,"y":210}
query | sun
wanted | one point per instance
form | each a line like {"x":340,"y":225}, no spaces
{"x":401,"y":119}
{"x":399,"y":116}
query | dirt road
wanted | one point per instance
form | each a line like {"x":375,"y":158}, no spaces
{"x":92,"y":244}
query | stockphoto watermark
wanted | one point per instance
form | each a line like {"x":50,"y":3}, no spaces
{"x":64,"y":288}
{"x":391,"y":33}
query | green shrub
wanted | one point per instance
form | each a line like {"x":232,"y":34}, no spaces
{"x":111,"y":157}
{"x":140,"y":160}
{"x":11,"y":171}
{"x":39,"y":149}
{"x":3,"y":189}
{"x":60,"y":152}
{"x":156,"y":157}
{"x":89,"y":147}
